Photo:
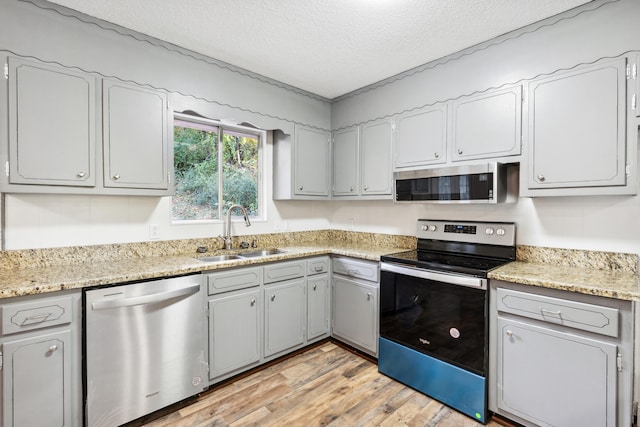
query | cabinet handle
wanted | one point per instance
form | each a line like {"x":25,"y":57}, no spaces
{"x":509,"y":333}
{"x":53,"y":348}
{"x":80,"y":174}
{"x":253,"y":302}
{"x":544,"y":311}
{"x":351,"y":272}
{"x":366,"y":187}
{"x":369,"y":295}
{"x":116,"y":177}
{"x":436,"y":155}
{"x":318,"y":268}
{"x":315,"y":287}
{"x":541,"y":177}
{"x":273,"y":297}
{"x":301,"y":187}
{"x":351,"y":189}
{"x":460,"y":151}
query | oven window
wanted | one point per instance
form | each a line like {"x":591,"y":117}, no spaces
{"x":443,"y":320}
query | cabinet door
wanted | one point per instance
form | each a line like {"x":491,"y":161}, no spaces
{"x":136,"y":149}
{"x":284,"y":316}
{"x":355,"y":312}
{"x":311,"y":162}
{"x":318,"y":306}
{"x":553,"y":378}
{"x":634,"y":69}
{"x":346,"y":169}
{"x":421,"y":137}
{"x":234,"y":332}
{"x":52,"y":125}
{"x":487,"y":125}
{"x":376,"y":158}
{"x":36,"y":381}
{"x":577,"y":127}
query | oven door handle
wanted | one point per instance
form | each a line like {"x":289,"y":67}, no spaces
{"x":409,"y":270}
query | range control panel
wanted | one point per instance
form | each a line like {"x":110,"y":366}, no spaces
{"x":491,"y":233}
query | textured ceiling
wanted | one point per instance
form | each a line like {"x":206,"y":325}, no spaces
{"x":327,"y":47}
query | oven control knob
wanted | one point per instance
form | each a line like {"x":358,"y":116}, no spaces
{"x":500,"y":232}
{"x":489,"y":231}
{"x":432,"y":228}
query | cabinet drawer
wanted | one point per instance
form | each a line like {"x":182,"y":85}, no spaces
{"x":586,"y":317}
{"x":284,"y":271}
{"x":233,"y":279}
{"x":317,"y":265}
{"x":361,"y":269}
{"x":26,"y":316}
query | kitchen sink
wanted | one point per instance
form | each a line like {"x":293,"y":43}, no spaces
{"x":264,"y":252}
{"x":218,"y":258}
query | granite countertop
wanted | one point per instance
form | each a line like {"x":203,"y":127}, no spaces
{"x":617,"y":284}
{"x":42,"y":279}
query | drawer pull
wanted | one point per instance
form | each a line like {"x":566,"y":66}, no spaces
{"x":318,"y":268}
{"x":546,"y":312}
{"x":37,"y":318}
{"x":53,"y":348}
{"x":352,"y":272}
{"x":509,"y":333}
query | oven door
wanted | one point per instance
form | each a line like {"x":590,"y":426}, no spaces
{"x":439,"y":314}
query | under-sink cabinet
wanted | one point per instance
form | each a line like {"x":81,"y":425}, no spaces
{"x":40,"y":358}
{"x":259,"y":313}
{"x":78,"y":133}
{"x":559,"y":358}
{"x":235,"y":320}
{"x":355,"y":293}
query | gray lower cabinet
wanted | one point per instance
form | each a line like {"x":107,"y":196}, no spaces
{"x":41,"y":361}
{"x":235,"y":321}
{"x":284,"y":316}
{"x":354,"y":303}
{"x":576,"y":137}
{"x":318,"y":309}
{"x":559,"y":359}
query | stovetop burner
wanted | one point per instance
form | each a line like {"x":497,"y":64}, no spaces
{"x":471,"y":248}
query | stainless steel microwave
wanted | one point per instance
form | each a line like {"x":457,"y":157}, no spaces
{"x":478,"y":183}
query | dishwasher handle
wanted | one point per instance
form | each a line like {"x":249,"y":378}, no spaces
{"x":109,"y":303}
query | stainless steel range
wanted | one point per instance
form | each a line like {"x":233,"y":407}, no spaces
{"x":434,"y":310}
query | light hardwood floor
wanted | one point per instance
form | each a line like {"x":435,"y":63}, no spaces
{"x":326,"y":385}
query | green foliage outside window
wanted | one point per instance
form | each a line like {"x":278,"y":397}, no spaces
{"x":197,"y":172}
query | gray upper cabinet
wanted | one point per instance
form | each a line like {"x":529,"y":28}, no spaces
{"x":576,"y":130}
{"x":488,"y":125}
{"x":375,"y":158}
{"x":362,"y":161}
{"x":311,"y":162}
{"x":77,"y":133}
{"x":346,"y":167}
{"x":633,"y":75}
{"x":52,"y":125}
{"x":136,"y":149}
{"x":421,"y":137}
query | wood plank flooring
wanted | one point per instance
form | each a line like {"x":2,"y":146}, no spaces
{"x":326,"y":385}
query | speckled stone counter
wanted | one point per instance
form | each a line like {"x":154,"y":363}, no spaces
{"x":604,"y":274}
{"x":49,"y":270}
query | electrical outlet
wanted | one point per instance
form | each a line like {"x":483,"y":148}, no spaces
{"x":350,"y":223}
{"x":154,"y":231}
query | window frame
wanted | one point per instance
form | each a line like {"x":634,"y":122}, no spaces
{"x":220,"y":126}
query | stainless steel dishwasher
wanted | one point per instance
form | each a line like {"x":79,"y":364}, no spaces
{"x":143,"y":348}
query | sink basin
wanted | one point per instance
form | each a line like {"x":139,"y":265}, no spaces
{"x":218,"y":258}
{"x":265,"y":252}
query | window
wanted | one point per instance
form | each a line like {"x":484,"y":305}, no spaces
{"x":215,"y":166}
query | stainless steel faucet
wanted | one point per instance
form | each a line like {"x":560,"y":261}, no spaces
{"x":227,"y":236}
